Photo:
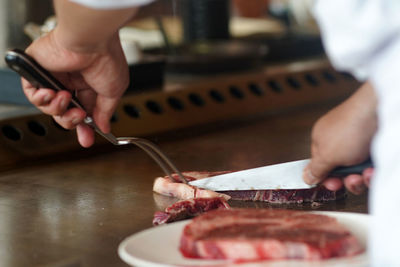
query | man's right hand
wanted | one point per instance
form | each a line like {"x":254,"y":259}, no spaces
{"x":98,"y":78}
{"x":343,"y":137}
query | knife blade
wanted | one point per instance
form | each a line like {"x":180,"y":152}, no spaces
{"x":278,"y":176}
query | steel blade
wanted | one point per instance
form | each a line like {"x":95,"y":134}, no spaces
{"x":279,"y":176}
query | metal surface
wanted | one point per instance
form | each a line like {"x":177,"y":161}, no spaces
{"x":286,"y":175}
{"x":75,"y":211}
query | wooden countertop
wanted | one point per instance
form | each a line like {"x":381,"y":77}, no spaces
{"x":75,"y":212}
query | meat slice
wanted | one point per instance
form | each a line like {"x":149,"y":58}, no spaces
{"x":164,"y":186}
{"x":196,"y":200}
{"x":190,"y":208}
{"x":284,"y":196}
{"x":266,"y":234}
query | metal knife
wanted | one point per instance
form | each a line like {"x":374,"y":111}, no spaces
{"x":279,"y":176}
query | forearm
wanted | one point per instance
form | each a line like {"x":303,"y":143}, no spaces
{"x":84,"y":29}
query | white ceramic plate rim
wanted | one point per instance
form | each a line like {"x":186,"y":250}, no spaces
{"x":159,"y":247}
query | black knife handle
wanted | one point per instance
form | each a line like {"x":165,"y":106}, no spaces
{"x":355,"y":169}
{"x":38,"y":76}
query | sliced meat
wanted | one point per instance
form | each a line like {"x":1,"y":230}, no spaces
{"x":164,"y":186}
{"x":190,"y":208}
{"x":266,"y":234}
{"x":280,"y":196}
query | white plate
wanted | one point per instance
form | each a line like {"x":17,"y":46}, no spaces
{"x":159,"y":247}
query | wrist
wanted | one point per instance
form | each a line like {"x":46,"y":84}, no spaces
{"x":70,"y":42}
{"x":85,"y":30}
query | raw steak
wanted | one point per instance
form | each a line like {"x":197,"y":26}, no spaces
{"x":266,"y":234}
{"x":280,"y":196}
{"x":190,"y":208}
{"x":164,"y":186}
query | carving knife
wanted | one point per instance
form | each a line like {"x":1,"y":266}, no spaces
{"x":279,"y":176}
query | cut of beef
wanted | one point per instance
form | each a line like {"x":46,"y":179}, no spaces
{"x":164,"y":186}
{"x":188,"y":209}
{"x":266,"y":234}
{"x":280,"y":196}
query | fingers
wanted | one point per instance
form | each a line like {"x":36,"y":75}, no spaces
{"x":47,"y":100}
{"x":316,"y":171}
{"x":367,"y":176}
{"x":71,"y":118}
{"x":56,"y":104}
{"x":333,"y":184}
{"x":85,"y":135}
{"x":35,"y":96}
{"x":355,"y":184}
{"x":105,"y":107}
{"x":40,"y":97}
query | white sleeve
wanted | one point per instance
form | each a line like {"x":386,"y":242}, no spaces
{"x":355,"y":31}
{"x":384,"y":75}
{"x":363,"y":37}
{"x":111,"y":4}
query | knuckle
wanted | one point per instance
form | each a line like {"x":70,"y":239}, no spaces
{"x":66,"y":124}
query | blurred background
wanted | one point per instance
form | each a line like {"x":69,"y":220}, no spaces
{"x":217,"y":84}
{"x":170,"y":36}
{"x":192,"y":62}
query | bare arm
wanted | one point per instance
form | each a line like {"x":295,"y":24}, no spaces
{"x":81,"y":29}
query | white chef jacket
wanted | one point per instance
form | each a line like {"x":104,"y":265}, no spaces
{"x":111,"y":4}
{"x":363,"y":36}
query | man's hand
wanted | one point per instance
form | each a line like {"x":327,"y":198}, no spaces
{"x":85,"y":54}
{"x":343,"y":137}
{"x":97,"y":78}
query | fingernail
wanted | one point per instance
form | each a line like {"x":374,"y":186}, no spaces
{"x":367,"y":181}
{"x":64,"y":104}
{"x":358,"y":189}
{"x":76,"y":120}
{"x":46,"y":99}
{"x":311,"y":179}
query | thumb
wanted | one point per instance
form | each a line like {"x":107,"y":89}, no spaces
{"x":103,"y":111}
{"x":316,"y":171}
